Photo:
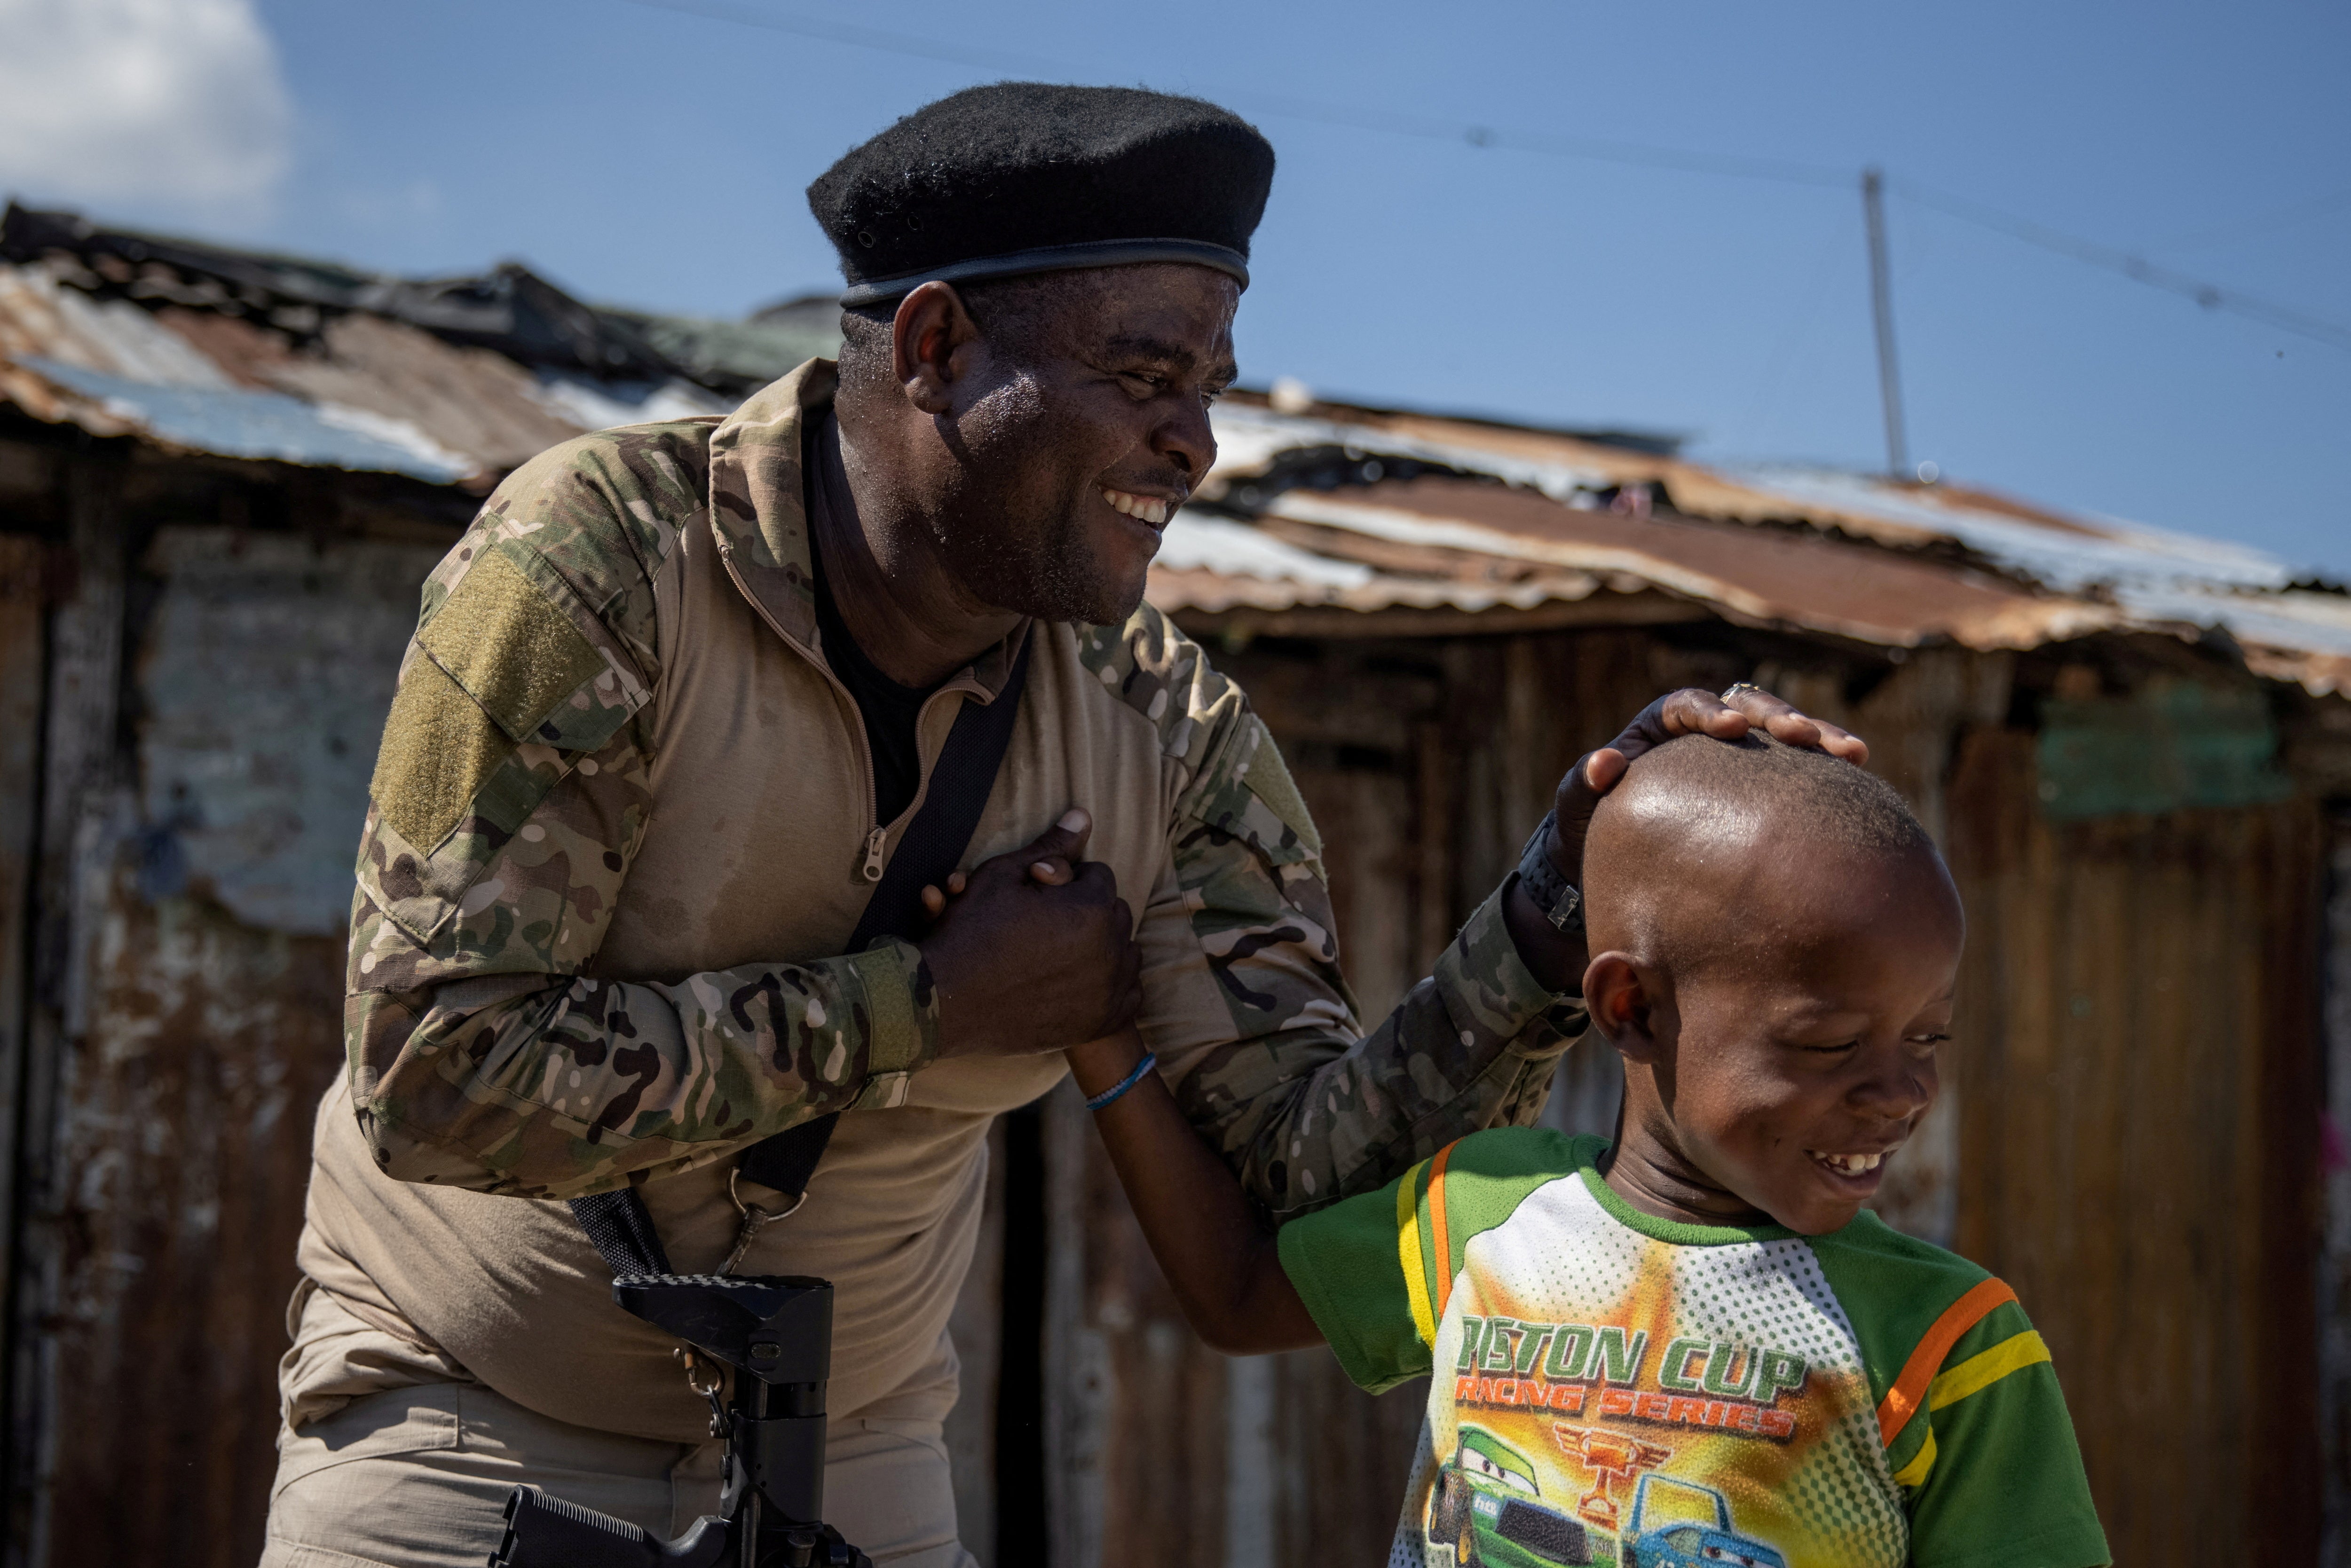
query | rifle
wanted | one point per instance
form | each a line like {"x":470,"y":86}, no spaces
{"x":775,"y":1331}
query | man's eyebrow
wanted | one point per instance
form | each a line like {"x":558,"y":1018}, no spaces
{"x":1143,"y":346}
{"x":1174,"y":356}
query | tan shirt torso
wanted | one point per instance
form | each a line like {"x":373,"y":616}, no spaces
{"x":751,"y":856}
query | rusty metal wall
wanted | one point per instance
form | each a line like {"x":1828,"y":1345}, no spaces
{"x":193,"y":1020}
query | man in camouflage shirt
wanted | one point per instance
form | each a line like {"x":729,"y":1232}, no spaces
{"x":670,"y":706}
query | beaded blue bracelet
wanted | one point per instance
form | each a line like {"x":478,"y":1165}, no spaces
{"x":1150,"y":1059}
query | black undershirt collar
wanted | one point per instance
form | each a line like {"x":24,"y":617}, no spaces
{"x":890,"y":710}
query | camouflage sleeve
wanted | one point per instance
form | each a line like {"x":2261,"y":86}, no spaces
{"x":509,"y":797}
{"x":1306,"y":1109}
{"x":1269,"y":1061}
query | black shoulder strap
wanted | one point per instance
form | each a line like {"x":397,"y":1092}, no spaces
{"x":618,"y":1222}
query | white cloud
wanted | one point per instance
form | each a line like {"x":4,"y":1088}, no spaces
{"x":177,"y":101}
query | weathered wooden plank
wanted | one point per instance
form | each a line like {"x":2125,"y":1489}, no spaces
{"x":81,"y":801}
{"x":2335,"y":1280}
{"x":977,"y":1328}
{"x":21,"y":684}
{"x":1649,"y":608}
{"x":2286,"y":1181}
{"x":2131,"y":1057}
{"x":23,"y":681}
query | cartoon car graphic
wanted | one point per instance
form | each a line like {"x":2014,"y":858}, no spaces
{"x":1488,"y":1507}
{"x":1683,"y":1540}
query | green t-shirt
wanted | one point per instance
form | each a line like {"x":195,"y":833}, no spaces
{"x":1612,"y":1388}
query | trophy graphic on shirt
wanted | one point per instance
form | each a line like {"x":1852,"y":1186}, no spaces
{"x":1611,"y":1458}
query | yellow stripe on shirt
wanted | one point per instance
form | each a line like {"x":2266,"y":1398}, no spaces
{"x":1913,"y":1474}
{"x":1972,"y":1375}
{"x":1981,"y":1371}
{"x":1416,"y":1275}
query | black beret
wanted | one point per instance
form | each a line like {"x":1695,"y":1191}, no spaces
{"x":1029,"y":177}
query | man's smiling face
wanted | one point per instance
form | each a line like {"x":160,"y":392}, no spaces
{"x":1083,"y":428}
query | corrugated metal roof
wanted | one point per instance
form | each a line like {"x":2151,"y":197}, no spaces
{"x":451,"y":380}
{"x":1847,"y":554}
{"x":1325,"y":509}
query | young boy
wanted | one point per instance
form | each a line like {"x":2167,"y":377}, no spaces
{"x":1692,"y":1346}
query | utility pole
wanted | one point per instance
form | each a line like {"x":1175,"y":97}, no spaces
{"x":1881,"y":306}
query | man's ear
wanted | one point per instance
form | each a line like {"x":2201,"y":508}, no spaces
{"x":1624,"y":1006}
{"x":931,"y":342}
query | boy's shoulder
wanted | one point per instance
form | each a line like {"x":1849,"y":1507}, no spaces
{"x":1917,"y":1311}
{"x":1481,"y":1179}
{"x":1902,"y":1284}
{"x":1515,"y":1152}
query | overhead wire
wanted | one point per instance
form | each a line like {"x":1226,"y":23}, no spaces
{"x":2137,"y":269}
{"x":1398,"y":122}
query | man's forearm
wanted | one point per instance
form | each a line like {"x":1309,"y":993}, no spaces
{"x":557,"y":1087}
{"x":1308,"y":1116}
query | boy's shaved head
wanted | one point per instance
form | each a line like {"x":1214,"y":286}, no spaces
{"x":1774,"y":946}
{"x":1690,"y":856}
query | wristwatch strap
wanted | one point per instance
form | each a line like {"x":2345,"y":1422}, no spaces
{"x":1560,"y":900}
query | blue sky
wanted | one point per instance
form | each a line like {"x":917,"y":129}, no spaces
{"x":656,"y":157}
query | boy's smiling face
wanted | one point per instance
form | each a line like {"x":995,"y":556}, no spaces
{"x":1788,"y":1080}
{"x":1778,"y":994}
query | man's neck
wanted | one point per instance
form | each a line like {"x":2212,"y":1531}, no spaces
{"x":912,"y":619}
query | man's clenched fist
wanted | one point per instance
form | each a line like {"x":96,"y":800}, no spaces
{"x":1036,"y":951}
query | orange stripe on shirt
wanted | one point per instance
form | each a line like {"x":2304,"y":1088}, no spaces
{"x":1909,"y":1391}
{"x":1441,"y":1244}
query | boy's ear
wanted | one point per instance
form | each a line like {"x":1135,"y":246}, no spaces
{"x":1622,"y":1006}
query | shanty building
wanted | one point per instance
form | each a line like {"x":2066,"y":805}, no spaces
{"x":223,"y":475}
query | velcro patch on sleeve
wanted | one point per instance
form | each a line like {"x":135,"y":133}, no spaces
{"x":439,"y":747}
{"x":502,"y":641}
{"x":1245,"y":790}
{"x":1270,"y":782}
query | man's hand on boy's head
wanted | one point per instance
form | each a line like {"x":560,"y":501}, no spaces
{"x":1557,"y":960}
{"x":1688,"y":711}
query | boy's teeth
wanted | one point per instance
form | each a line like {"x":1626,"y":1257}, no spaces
{"x":1851,"y":1164}
{"x":1139,"y":506}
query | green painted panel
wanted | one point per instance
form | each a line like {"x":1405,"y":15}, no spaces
{"x":2171,"y":745}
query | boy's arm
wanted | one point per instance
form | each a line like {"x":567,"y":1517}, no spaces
{"x":1226,"y":1273}
{"x":1987,"y":1460}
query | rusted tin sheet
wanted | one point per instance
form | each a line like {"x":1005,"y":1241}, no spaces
{"x":1755,"y":575}
{"x":184,"y":1131}
{"x":209,"y":980}
{"x":465,"y":400}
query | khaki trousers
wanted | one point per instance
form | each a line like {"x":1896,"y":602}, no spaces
{"x":418,"y":1477}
